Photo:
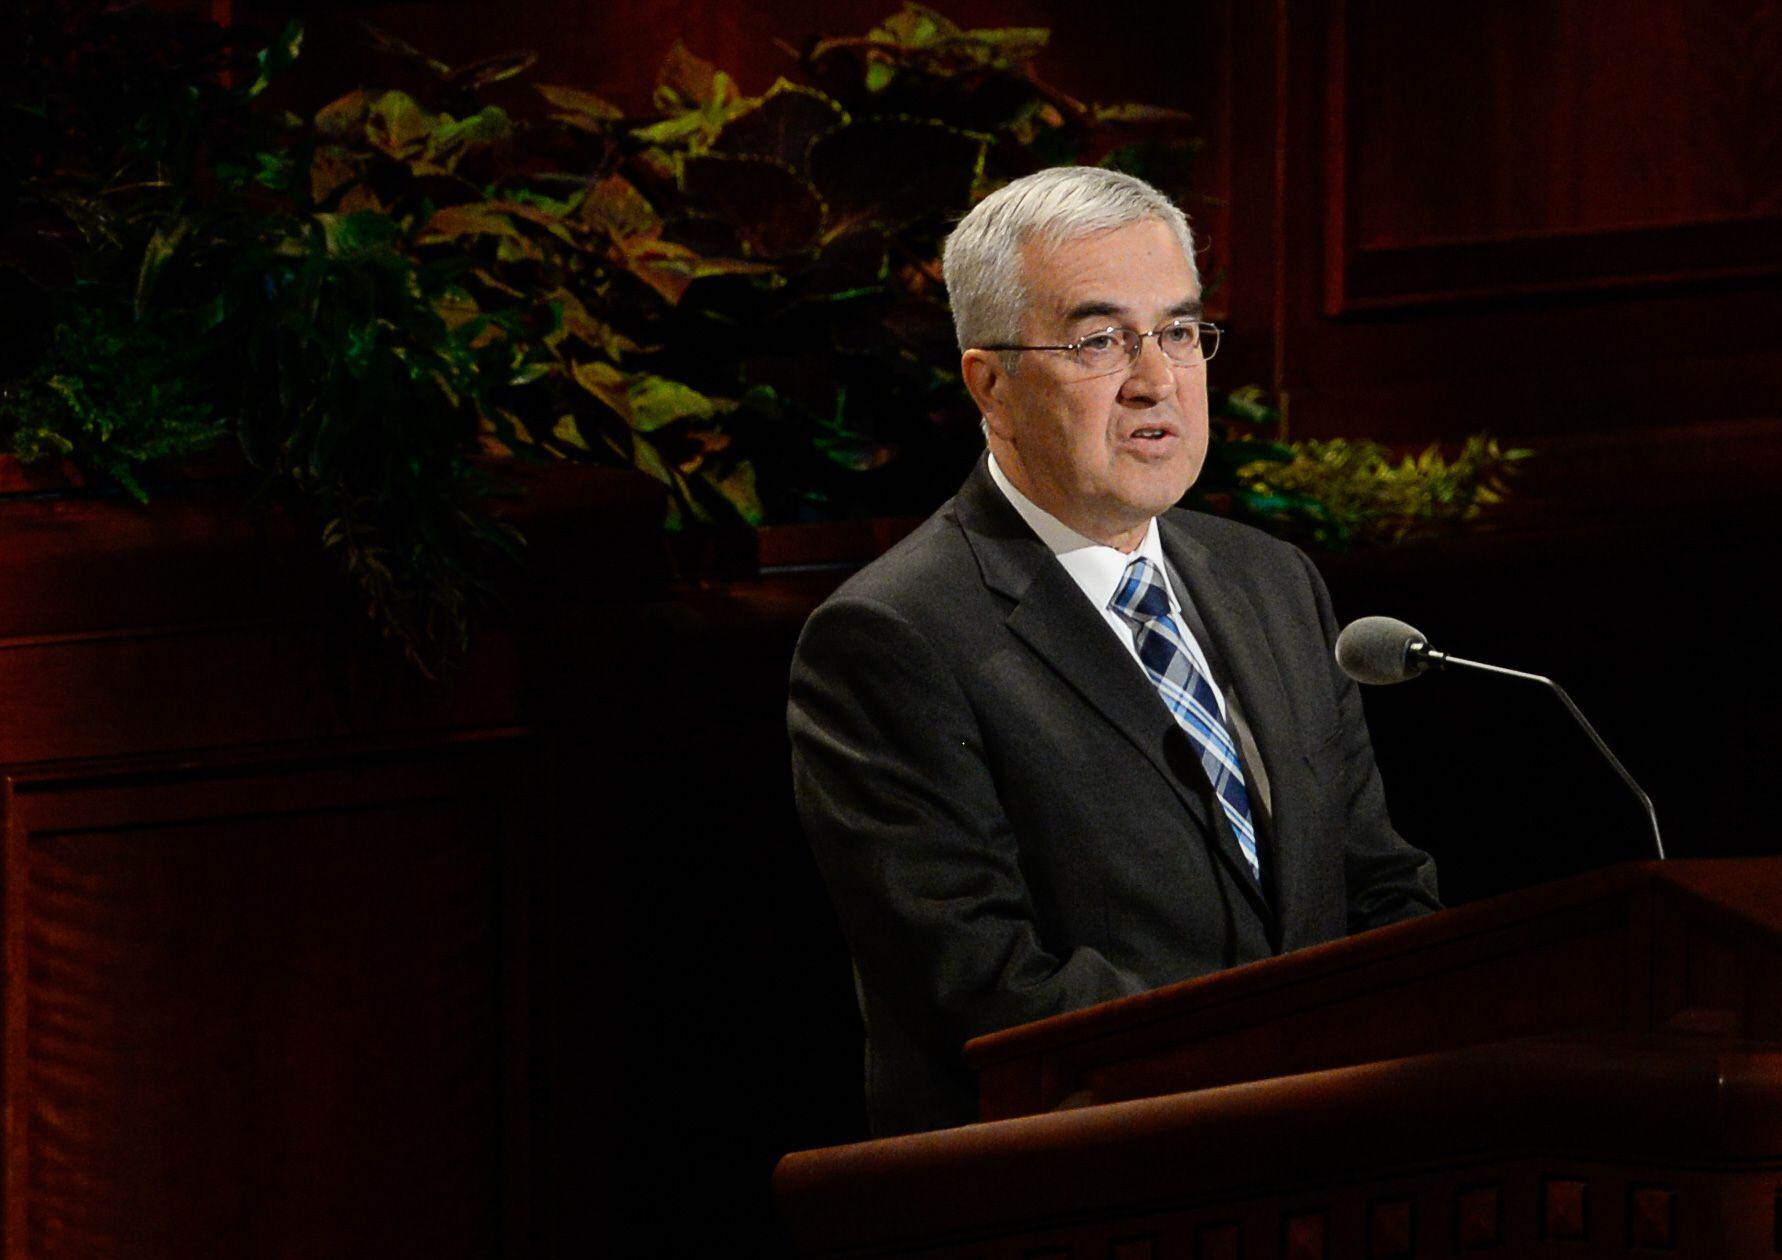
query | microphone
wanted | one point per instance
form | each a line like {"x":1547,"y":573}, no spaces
{"x":1380,"y":651}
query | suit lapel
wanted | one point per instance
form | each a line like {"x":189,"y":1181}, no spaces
{"x":1240,"y":647}
{"x":1052,"y":617}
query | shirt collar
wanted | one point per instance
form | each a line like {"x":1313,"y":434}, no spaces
{"x":1096,"y":567}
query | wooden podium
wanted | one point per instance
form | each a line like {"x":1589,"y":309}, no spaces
{"x":1591,"y":1068}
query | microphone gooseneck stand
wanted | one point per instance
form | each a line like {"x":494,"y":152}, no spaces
{"x":1422,"y":652}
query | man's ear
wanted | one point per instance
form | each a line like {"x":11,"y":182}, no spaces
{"x":987,"y":380}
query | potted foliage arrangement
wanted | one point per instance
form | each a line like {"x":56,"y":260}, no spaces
{"x":383,"y":305}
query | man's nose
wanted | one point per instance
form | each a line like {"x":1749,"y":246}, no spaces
{"x":1152,"y":377}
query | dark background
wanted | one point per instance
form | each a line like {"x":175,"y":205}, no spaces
{"x":1557,"y":221}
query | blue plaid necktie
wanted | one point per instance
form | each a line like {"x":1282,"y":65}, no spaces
{"x":1143,"y":601}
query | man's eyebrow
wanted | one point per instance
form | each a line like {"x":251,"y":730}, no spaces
{"x":1187,"y":308}
{"x":1084,"y":310}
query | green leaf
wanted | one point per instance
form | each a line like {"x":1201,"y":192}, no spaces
{"x":451,"y":222}
{"x":616,"y":205}
{"x":402,"y":48}
{"x":914,"y":26}
{"x":569,"y":433}
{"x":507,"y":65}
{"x":576,"y":321}
{"x":670,"y":269}
{"x":331,"y":169}
{"x":486,"y":126}
{"x":398,"y":125}
{"x":698,"y":97}
{"x":606,"y":383}
{"x":657,"y":401}
{"x":646,"y":458}
{"x":1132,"y":114}
{"x":687,"y":79}
{"x":155,"y":256}
{"x":1247,"y":405}
{"x":274,"y":171}
{"x":277,"y":57}
{"x":739,"y":487}
{"x":345,"y":117}
{"x":355,"y":233}
{"x":580,"y":109}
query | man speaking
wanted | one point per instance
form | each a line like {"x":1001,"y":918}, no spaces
{"x":1066,"y":742}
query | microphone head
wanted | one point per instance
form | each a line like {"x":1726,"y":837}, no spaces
{"x":1377,"y":650}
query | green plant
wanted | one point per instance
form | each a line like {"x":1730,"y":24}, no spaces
{"x":1365,"y":494}
{"x":839,"y":360}
{"x":737,"y":295}
{"x":102,"y":397}
{"x":106,"y":113}
{"x":191,"y":294}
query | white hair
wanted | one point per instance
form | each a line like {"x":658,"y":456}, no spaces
{"x":981,"y":259}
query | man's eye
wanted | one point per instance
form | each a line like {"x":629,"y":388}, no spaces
{"x":1179,"y":334}
{"x":1099,"y":343}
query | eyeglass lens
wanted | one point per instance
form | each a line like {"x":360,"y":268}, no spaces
{"x":1183,"y":341}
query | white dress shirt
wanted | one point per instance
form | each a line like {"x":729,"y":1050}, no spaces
{"x":1098,"y":570}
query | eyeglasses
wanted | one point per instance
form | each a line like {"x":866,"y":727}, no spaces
{"x":1183,"y":341}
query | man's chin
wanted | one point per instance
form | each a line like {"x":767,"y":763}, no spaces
{"x":1163,"y":492}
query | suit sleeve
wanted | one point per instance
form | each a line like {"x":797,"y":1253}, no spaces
{"x":1387,"y":879}
{"x":901,"y":809}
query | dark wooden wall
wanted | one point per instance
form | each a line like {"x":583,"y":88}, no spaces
{"x":1555,"y":220}
{"x":1541,"y":218}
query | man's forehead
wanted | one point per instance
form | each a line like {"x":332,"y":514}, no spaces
{"x":1187,"y":306}
{"x":1134,"y":271}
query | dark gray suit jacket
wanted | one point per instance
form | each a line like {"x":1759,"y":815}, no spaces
{"x":1012,"y":825}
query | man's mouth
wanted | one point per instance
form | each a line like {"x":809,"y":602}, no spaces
{"x":1152,"y":433}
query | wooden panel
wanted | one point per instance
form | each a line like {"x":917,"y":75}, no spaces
{"x":1416,"y":256}
{"x":1522,"y":147}
{"x":1607,"y":1144}
{"x":270,"y":889}
{"x":275,"y":1008}
{"x":1693,"y":948}
{"x":87,"y":561}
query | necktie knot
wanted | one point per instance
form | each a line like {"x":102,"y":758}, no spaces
{"x":1141,"y":595}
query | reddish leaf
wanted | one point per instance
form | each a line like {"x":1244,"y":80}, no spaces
{"x":579,"y":109}
{"x":854,"y":260}
{"x":329,"y":170}
{"x":594,"y":333}
{"x":924,"y":327}
{"x":686,"y":79}
{"x":669,"y":268}
{"x":915,"y":26}
{"x":450,"y":222}
{"x":615,"y":205}
{"x":782,"y":126}
{"x":493,"y":69}
{"x":606,"y":383}
{"x":346,"y":116}
{"x":1131,"y":114}
{"x":399,"y":47}
{"x":893,"y":171}
{"x":773,"y":209}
